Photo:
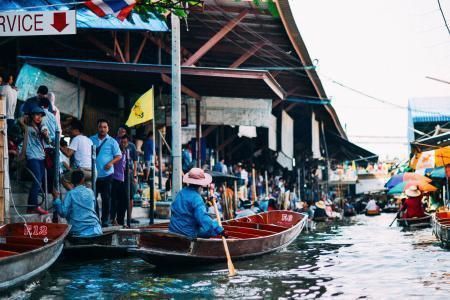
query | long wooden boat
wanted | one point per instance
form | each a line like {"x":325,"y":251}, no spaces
{"x":441,"y":228}
{"x":247,"y":237}
{"x":26,"y":251}
{"x":373,"y":212}
{"x":412,"y":223}
{"x":111,"y":244}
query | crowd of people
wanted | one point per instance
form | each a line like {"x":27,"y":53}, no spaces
{"x":116,"y":160}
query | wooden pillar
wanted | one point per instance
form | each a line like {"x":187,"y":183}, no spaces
{"x":197,"y":133}
{"x":4,"y":165}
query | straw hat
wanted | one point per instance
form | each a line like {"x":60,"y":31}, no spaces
{"x":412,"y":191}
{"x":198,"y":177}
{"x":320,"y":204}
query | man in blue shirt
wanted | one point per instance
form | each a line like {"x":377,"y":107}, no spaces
{"x":189,"y":216}
{"x":148,"y":154}
{"x":108,"y":153}
{"x":78,"y":208}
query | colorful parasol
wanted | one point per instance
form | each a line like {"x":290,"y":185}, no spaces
{"x":399,"y":178}
{"x":422,"y":185}
{"x":440,"y":172}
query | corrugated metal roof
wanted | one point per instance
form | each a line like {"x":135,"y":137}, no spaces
{"x":429,"y":109}
{"x":86,"y":18}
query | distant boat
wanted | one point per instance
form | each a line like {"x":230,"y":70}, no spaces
{"x":248,"y":237}
{"x":372,"y":212}
{"x":26,"y":251}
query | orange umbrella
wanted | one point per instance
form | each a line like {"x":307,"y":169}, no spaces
{"x":422,"y":185}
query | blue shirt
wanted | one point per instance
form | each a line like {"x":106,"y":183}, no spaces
{"x":35,"y":145}
{"x":189,"y":216}
{"x":148,"y":150}
{"x":51,"y":123}
{"x":109,"y":150}
{"x":78,"y":208}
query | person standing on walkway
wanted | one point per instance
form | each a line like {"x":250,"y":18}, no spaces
{"x":108,"y":153}
{"x":80,"y":149}
{"x":118,"y":189}
{"x":35,"y":139}
{"x":32,"y":102}
{"x":148,"y":154}
{"x":10,"y":92}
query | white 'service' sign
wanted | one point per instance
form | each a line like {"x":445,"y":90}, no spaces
{"x":22,"y":23}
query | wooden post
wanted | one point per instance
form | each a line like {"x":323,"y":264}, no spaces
{"x":253,"y":186}
{"x":267,"y":184}
{"x":236,"y":198}
{"x":3,"y":166}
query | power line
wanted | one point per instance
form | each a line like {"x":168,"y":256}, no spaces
{"x":443,"y":16}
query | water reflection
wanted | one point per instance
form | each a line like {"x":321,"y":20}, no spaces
{"x":361,"y":258}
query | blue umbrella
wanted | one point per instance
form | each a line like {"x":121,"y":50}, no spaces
{"x":438,"y":173}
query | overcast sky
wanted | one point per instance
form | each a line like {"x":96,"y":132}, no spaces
{"x":384,"y":48}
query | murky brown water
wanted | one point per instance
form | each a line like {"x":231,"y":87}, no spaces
{"x":362,"y":259}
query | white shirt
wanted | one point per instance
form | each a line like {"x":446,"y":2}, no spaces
{"x":11,"y":100}
{"x":372,"y":205}
{"x":82,"y":146}
{"x":244,"y":175}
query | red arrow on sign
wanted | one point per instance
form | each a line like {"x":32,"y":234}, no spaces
{"x":59,"y":21}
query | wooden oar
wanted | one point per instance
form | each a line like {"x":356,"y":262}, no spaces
{"x":231,"y":270}
{"x":396,"y":216}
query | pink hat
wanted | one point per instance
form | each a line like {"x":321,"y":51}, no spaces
{"x":198,"y":177}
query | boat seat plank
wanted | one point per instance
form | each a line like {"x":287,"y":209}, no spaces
{"x":4,"y":253}
{"x":268,"y":227}
{"x":242,"y":234}
{"x":257,"y":232}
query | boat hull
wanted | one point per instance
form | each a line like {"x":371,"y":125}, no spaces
{"x":423,"y":222}
{"x":372,"y":213}
{"x":112,"y":244}
{"x":441,"y":228}
{"x":161,"y":248}
{"x":33,"y":255}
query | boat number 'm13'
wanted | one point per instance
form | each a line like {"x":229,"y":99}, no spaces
{"x":35,"y":230}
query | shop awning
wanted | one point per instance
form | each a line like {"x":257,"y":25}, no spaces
{"x":222,"y":82}
{"x":341,"y":149}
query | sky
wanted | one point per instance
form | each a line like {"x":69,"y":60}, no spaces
{"x":383,"y":48}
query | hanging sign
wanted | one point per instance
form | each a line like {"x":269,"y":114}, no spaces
{"x":23,"y":23}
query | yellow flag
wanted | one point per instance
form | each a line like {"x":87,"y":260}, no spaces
{"x":142,"y":110}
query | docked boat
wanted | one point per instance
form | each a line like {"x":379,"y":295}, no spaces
{"x":441,"y":228}
{"x":373,"y":212}
{"x":413,"y":223}
{"x":248,"y":237}
{"x":111,"y":244}
{"x":26,"y":251}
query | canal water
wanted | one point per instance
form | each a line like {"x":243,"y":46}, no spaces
{"x":362,"y":258}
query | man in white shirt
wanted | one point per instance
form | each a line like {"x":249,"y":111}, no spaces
{"x":80,"y":148}
{"x":372,"y":205}
{"x":10,"y":93}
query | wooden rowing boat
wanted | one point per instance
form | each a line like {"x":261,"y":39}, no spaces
{"x":414,"y":223}
{"x":373,"y":212}
{"x":26,"y":251}
{"x":111,"y":244}
{"x":441,"y":228}
{"x":247,"y":237}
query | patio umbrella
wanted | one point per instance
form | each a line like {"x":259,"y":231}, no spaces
{"x":422,"y":185}
{"x":402,"y":177}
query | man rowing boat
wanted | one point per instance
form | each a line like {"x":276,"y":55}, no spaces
{"x":189,"y":216}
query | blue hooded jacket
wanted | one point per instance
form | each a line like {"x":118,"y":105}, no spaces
{"x":189,"y":216}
